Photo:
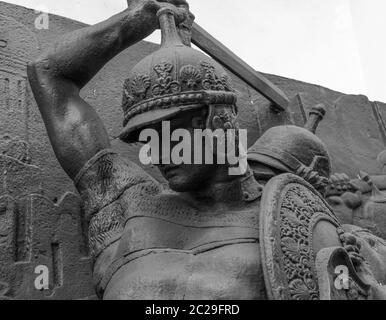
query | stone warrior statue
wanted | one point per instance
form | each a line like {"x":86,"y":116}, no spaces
{"x":201,"y":238}
{"x":291,"y":149}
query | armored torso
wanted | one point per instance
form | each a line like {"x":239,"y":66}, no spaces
{"x":150,"y":243}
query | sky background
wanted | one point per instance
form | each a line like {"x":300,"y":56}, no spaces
{"x":339,"y":44}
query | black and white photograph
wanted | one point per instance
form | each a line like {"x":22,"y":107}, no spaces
{"x":213,"y":151}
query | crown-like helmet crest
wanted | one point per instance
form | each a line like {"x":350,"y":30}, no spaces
{"x":173,"y":79}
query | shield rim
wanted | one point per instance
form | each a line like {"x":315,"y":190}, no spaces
{"x":269,"y":218}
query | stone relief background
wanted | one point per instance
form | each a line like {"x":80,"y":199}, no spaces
{"x":41,"y":216}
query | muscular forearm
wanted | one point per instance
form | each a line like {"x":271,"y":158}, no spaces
{"x":78,"y":56}
{"x":76,"y":132}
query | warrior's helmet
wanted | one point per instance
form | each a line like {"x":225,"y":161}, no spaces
{"x":295,"y":150}
{"x":174,"y":79}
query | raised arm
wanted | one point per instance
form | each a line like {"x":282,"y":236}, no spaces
{"x":75,"y":130}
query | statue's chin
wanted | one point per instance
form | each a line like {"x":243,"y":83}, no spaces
{"x":188,"y":178}
{"x":181,"y":184}
{"x":179,"y":187}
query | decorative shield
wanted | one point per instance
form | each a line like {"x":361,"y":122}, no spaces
{"x":291,"y":213}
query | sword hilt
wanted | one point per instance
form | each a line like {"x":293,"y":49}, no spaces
{"x":316,"y":115}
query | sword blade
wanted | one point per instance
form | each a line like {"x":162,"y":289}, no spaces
{"x":232,"y":62}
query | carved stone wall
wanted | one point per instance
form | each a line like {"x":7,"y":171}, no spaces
{"x":40,"y":212}
{"x":40,"y":219}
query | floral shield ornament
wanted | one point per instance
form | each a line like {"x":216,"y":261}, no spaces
{"x":300,"y":239}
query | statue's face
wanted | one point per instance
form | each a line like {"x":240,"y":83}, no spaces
{"x":186,"y":177}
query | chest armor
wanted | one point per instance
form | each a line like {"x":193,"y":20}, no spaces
{"x":170,"y":250}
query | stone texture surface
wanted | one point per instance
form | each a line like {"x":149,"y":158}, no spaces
{"x":40,"y":213}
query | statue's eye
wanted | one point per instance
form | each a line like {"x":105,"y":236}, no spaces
{"x":197,"y":123}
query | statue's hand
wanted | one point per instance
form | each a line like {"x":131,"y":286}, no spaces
{"x":339,"y":184}
{"x":177,"y":3}
{"x":353,"y":247}
{"x":181,"y":7}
